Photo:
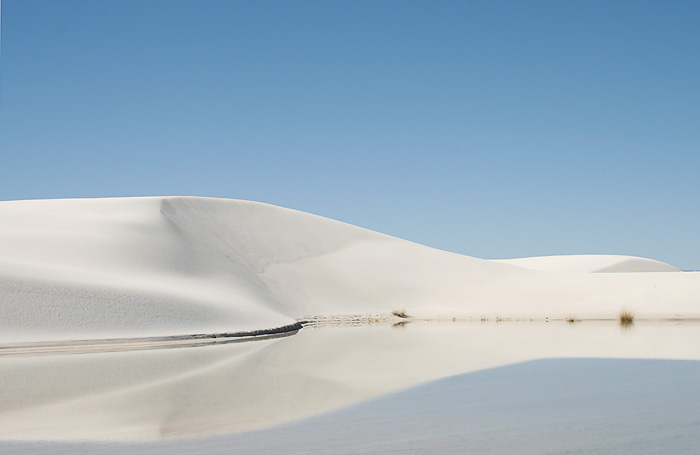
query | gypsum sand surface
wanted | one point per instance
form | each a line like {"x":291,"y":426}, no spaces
{"x":124,"y":268}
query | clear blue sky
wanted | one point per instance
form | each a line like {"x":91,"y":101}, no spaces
{"x":489,"y":128}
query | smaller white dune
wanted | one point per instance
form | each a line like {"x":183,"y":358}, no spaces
{"x":591,"y":263}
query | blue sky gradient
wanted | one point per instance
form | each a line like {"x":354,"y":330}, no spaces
{"x":489,"y":128}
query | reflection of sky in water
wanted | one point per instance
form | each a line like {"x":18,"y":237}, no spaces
{"x":204,"y":391}
{"x":548,"y":406}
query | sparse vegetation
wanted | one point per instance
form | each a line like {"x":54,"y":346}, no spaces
{"x":399,"y":313}
{"x":626,"y":318}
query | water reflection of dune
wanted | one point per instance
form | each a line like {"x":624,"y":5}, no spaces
{"x":174,"y":393}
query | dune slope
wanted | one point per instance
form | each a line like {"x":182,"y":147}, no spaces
{"x":125,"y":267}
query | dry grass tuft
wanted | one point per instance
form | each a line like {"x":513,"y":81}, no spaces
{"x":626,"y":318}
{"x":399,"y":313}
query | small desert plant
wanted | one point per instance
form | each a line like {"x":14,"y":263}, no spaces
{"x":399,"y":313}
{"x":570,"y":319}
{"x":626,"y":317}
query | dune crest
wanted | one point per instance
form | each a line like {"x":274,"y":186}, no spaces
{"x":591,"y":263}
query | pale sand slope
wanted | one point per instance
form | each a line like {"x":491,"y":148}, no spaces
{"x":125,"y":267}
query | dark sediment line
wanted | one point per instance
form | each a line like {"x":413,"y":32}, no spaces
{"x":140,"y":343}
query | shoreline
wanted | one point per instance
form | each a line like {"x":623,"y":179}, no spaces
{"x":203,"y":339}
{"x":141,"y":343}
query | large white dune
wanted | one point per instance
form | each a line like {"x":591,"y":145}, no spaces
{"x":132,"y":267}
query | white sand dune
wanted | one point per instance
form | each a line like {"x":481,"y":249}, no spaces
{"x":128,"y":267}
